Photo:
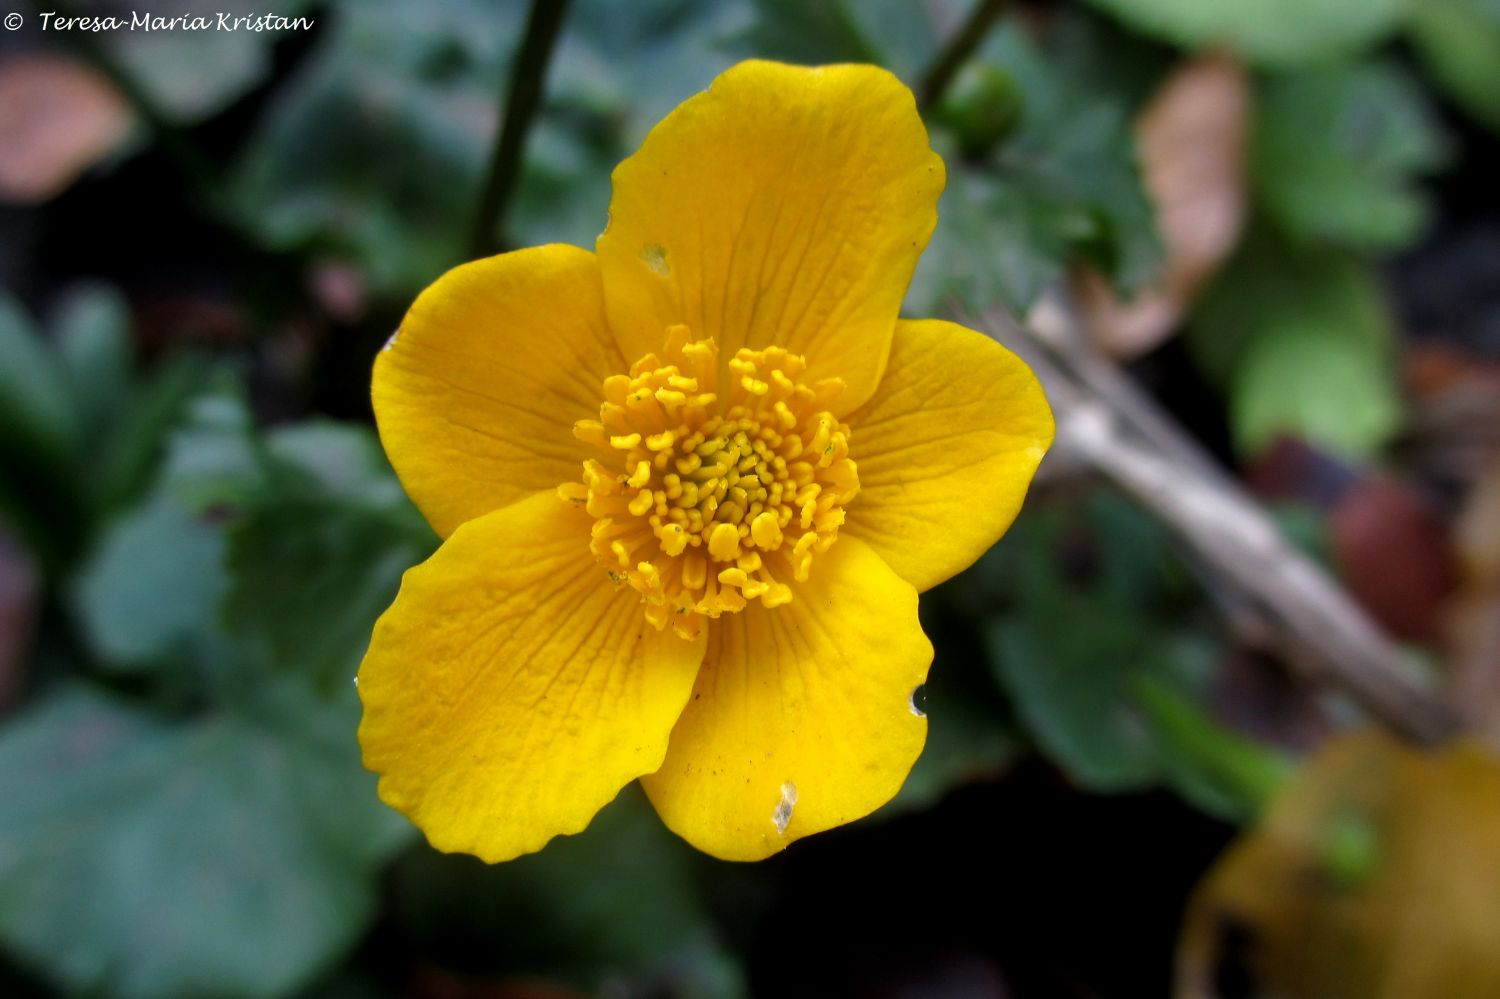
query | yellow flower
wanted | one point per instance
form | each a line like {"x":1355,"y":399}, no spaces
{"x":690,"y":486}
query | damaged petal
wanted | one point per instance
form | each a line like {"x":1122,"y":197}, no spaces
{"x":655,"y":257}
{"x":783,"y":813}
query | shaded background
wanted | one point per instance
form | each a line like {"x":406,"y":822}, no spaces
{"x":1279,"y":220}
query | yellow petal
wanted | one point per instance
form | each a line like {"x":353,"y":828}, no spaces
{"x":477,"y":394}
{"x":785,"y":205}
{"x":946,"y":449}
{"x":802,"y":717}
{"x":512,"y":690}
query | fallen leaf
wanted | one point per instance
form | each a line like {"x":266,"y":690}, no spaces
{"x":1392,"y":554}
{"x":1375,"y":874}
{"x":1192,"y":139}
{"x":58,"y":117}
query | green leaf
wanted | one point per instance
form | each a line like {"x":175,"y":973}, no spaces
{"x":1338,"y":150}
{"x":376,"y":151}
{"x":214,"y":457}
{"x":1225,"y":774}
{"x":134,"y":447}
{"x":41,"y":492}
{"x":1316,"y":383}
{"x":309,"y":580}
{"x":35,"y":403}
{"x":996,"y":246}
{"x":153,"y":584}
{"x":319,"y":553}
{"x":1070,"y":666}
{"x":229,"y":856}
{"x":618,"y":903}
{"x":629,"y":65}
{"x":1302,"y":342}
{"x":1063,"y":187}
{"x":1267,"y":285}
{"x":897,"y":34}
{"x":95,"y":353}
{"x":1076,"y":647}
{"x":809,"y":32}
{"x":341,"y":461}
{"x":1459,"y":43}
{"x":1270,"y":32}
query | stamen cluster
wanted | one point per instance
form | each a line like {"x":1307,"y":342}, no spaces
{"x":706,"y":499}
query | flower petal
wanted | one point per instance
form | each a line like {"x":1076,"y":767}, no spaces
{"x":785,"y":205}
{"x":946,"y":449}
{"x":511,"y":690}
{"x":802,"y":717}
{"x":477,"y":394}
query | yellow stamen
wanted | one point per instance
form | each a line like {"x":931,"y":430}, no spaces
{"x":755,"y":481}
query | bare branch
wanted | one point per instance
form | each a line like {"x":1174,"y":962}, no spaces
{"x":1105,"y":420}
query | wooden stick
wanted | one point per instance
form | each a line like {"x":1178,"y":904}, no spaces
{"x":1107,"y":422}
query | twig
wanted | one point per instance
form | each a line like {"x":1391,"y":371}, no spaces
{"x":522,"y":98}
{"x":1104,"y":419}
{"x":955,"y":53}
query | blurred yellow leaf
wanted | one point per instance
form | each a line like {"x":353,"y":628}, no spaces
{"x":1375,"y":874}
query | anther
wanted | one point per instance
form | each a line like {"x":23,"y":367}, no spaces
{"x":685,"y":480}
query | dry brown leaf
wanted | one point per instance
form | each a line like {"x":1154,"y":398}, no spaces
{"x":1374,"y":875}
{"x":1191,"y":139}
{"x":1392,"y":553}
{"x":58,"y":117}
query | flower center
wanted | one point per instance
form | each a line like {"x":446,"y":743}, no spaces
{"x":706,"y":499}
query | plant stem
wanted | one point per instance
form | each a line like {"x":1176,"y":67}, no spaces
{"x":955,"y":53}
{"x":522,"y":98}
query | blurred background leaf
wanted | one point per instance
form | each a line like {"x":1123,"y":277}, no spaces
{"x":1061,"y":185}
{"x":235,"y":851}
{"x":153,"y":584}
{"x":1273,"y":32}
{"x":1459,"y":42}
{"x":1303,"y":340}
{"x":1338,"y":150}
